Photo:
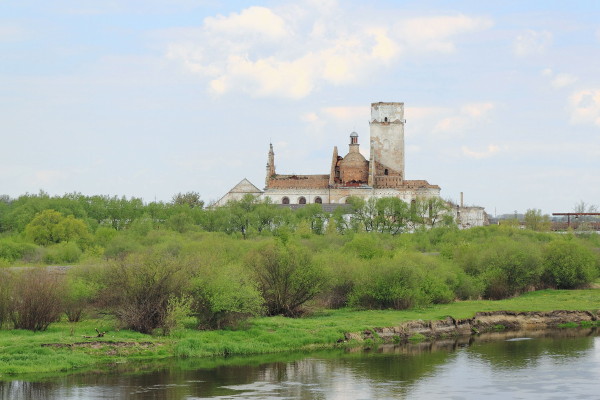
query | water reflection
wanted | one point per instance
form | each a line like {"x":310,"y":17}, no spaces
{"x":548,"y":365}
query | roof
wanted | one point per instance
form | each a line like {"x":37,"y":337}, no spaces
{"x":245,"y":186}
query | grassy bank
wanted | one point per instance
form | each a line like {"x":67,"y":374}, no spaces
{"x":25,"y":352}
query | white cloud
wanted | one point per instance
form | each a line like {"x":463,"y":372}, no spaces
{"x":436,"y":33}
{"x":253,"y":20}
{"x":310,"y":117}
{"x":584,"y":106}
{"x":463,"y":119}
{"x":490,"y":151}
{"x":532,"y":42}
{"x":560,"y":80}
{"x":348,"y":113}
{"x":293,"y":50}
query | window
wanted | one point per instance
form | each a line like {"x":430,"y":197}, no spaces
{"x":385,"y":171}
{"x":302,"y":200}
{"x":318,"y":200}
{"x":385,"y":120}
{"x":285,"y":200}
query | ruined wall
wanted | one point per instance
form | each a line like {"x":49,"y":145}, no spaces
{"x":298,"y":181}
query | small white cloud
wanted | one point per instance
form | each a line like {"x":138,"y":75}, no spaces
{"x":532,"y":42}
{"x":252,"y":20}
{"x":490,"y":151}
{"x":559,"y":80}
{"x":584,"y":106}
{"x":477,"y":110}
{"x":466,"y":117}
{"x":348,"y":113}
{"x":310,"y":117}
{"x":562,"y":80}
{"x":436,"y":33}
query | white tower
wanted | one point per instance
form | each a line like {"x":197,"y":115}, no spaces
{"x":387,"y":144}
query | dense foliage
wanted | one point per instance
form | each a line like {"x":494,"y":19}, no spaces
{"x":151,"y":265}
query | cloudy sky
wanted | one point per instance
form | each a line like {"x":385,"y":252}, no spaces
{"x":149,"y":98}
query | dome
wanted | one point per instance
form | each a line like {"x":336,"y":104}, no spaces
{"x":354,"y":159}
{"x":354,"y":134}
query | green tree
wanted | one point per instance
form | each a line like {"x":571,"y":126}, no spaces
{"x":50,"y":226}
{"x":190,"y":199}
{"x":536,"y":221}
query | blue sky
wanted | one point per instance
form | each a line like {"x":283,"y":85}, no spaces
{"x":151,"y":98}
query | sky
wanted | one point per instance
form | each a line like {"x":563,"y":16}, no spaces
{"x":149,"y":98}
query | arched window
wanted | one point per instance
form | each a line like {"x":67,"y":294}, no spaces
{"x":285,"y":200}
{"x":385,"y":171}
{"x":318,"y":200}
{"x":385,"y":120}
{"x":302,"y":200}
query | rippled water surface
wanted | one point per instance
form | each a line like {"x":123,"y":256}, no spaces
{"x":532,"y":365}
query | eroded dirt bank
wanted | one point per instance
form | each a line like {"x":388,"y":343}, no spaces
{"x":481,"y":322}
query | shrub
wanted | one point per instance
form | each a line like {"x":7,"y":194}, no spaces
{"x":365,"y":246}
{"x":12,"y":250}
{"x":79,"y":294}
{"x":224,"y":297}
{"x":287,"y":277}
{"x":388,"y":285}
{"x":505,"y":266}
{"x":140,"y":286}
{"x":568,"y":264}
{"x":36,"y":299}
{"x":5,"y":281}
{"x":408,"y":280}
{"x":65,"y":252}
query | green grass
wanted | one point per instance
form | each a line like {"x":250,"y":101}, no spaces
{"x":21,"y":352}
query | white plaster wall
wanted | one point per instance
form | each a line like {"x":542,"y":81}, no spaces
{"x":387,"y":138}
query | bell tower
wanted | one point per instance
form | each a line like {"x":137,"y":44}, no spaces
{"x":387,"y":144}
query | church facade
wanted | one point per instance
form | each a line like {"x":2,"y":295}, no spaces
{"x":382,"y":175}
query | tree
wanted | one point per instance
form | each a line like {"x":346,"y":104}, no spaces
{"x":50,"y":226}
{"x":392,"y":215}
{"x":190,"y":199}
{"x":430,"y":211}
{"x":536,"y":221}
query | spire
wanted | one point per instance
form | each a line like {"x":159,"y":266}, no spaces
{"x":270,"y":165}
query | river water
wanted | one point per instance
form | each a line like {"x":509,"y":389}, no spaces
{"x":524,"y":365}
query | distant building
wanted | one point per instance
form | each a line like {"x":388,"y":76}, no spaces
{"x":383,"y":175}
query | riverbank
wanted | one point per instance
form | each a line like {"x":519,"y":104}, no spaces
{"x":62,"y":348}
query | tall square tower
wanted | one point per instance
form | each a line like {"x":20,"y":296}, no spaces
{"x":386,"y":166}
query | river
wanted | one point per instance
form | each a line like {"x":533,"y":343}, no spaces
{"x":513,"y":365}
